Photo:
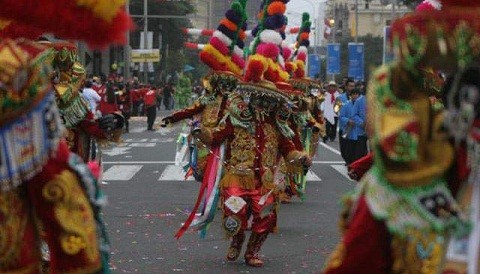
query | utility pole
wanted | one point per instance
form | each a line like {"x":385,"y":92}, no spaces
{"x":145,"y":38}
{"x":356,"y":21}
{"x":126,"y":51}
{"x":393,"y":11}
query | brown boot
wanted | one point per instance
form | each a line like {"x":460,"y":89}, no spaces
{"x":236,"y":246}
{"x":252,"y":256}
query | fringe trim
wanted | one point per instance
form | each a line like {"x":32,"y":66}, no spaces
{"x":233,"y":180}
{"x":75,"y":112}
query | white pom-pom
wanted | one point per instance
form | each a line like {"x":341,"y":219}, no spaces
{"x":271,"y":36}
{"x":227,"y":41}
{"x":303,"y":49}
{"x":281,"y":61}
{"x":238,"y":51}
{"x":435,"y":4}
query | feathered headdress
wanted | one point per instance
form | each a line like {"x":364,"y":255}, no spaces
{"x":224,"y":52}
{"x":266,"y":61}
{"x":99,"y":22}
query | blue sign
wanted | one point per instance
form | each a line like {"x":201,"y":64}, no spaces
{"x":356,"y":61}
{"x":314,"y":63}
{"x":333,"y":59}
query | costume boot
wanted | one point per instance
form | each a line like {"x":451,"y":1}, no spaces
{"x":252,"y":256}
{"x":236,"y":246}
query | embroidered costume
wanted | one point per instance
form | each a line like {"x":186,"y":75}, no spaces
{"x":256,"y":135}
{"x":224,"y":55}
{"x":47,"y":193}
{"x":401,"y":215}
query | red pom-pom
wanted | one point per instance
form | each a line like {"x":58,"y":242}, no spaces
{"x":302,"y":56}
{"x":95,"y":169}
{"x":271,"y":75}
{"x":299,"y":73}
{"x":255,"y":70}
{"x":269,"y":50}
{"x":289,"y":67}
{"x":287,"y":52}
{"x":461,"y":3}
{"x":14,"y":31}
{"x":276,"y":8}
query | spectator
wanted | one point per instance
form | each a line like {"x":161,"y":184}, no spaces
{"x":167,"y":95}
{"x":91,"y":96}
{"x":159,"y":94}
{"x":124,"y":101}
{"x":352,"y":120}
{"x":150,"y":102}
{"x":328,"y":107}
{"x":343,"y":100}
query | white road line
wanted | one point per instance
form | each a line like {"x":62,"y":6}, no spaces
{"x":137,"y":129}
{"x":174,"y":173}
{"x":173,"y":162}
{"x":342,"y":169}
{"x":121,"y":172}
{"x":142,"y":144}
{"x":312,"y":177}
{"x":330,"y":148}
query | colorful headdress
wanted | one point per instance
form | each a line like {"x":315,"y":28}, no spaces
{"x":30,"y":126}
{"x":224,"y":52}
{"x":451,"y":28}
{"x":69,"y":79}
{"x":98,"y":23}
{"x":266,"y":61}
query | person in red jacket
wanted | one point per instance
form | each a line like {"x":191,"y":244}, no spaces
{"x":150,"y":102}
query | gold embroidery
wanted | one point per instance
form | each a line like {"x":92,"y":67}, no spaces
{"x":211,"y":115}
{"x":13,"y":221}
{"x":242,"y":148}
{"x":72,"y":211}
{"x":269,"y":154}
{"x":419,"y":253}
{"x":336,"y":258}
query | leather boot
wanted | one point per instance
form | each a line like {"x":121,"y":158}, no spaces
{"x":252,"y":256}
{"x":236,"y":246}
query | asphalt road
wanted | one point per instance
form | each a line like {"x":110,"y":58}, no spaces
{"x":149,"y":200}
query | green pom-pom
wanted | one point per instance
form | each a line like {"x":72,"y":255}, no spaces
{"x":243,"y":3}
{"x":305,"y":17}
{"x":236,"y":6}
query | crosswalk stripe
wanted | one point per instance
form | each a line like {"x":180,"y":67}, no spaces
{"x":121,"y":172}
{"x":142,"y":144}
{"x":173,"y":173}
{"x":312,"y":177}
{"x":342,"y":169}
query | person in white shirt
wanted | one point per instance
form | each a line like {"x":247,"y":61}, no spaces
{"x":328,"y":110}
{"x":91,"y":96}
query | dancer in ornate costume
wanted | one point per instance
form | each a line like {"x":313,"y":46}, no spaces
{"x":224,"y":55}
{"x":257,"y":135}
{"x":44,"y":187}
{"x":399,"y":218}
{"x":306,"y":119}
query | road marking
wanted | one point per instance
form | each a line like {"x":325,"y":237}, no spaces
{"x":121,"y":172}
{"x":330,"y":148}
{"x":142,"y":144}
{"x":116,"y":151}
{"x":312,"y":177}
{"x":137,"y":129}
{"x":342,"y":169}
{"x":328,"y":162}
{"x":174,"y":173}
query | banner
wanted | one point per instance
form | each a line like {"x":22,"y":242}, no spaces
{"x":333,"y":58}
{"x":356,"y":61}
{"x":145,"y":55}
{"x":387,"y":47}
{"x":314,"y":63}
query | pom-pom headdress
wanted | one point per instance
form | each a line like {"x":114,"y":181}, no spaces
{"x":297,"y":63}
{"x":266,"y":61}
{"x":98,"y":23}
{"x":449,"y":27}
{"x":224,"y":52}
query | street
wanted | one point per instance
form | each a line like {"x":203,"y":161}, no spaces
{"x":149,"y":199}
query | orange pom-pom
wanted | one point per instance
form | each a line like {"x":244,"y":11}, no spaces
{"x":276,"y":8}
{"x":304,"y":36}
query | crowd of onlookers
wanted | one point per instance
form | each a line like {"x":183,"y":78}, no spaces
{"x":344,"y":109}
{"x":131,"y":97}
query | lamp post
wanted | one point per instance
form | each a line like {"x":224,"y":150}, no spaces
{"x":126,"y":51}
{"x":145,"y":38}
